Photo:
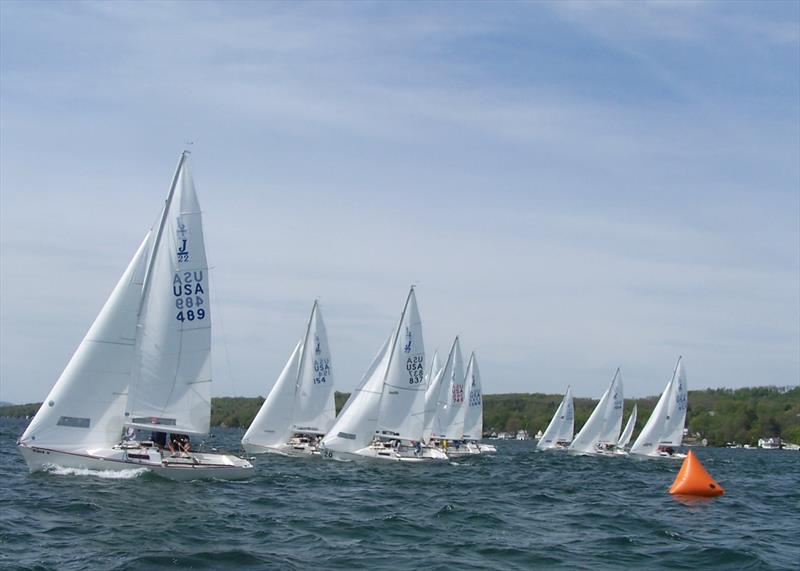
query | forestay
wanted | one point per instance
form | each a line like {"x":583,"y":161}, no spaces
{"x":171,"y":383}
{"x":473,"y":419}
{"x":561,"y":426}
{"x":85,"y":407}
{"x":402,"y":407}
{"x":604,"y":423}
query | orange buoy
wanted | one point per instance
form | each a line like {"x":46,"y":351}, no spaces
{"x":694,"y":480}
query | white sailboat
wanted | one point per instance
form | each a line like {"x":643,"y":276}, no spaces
{"x":299,"y":409}
{"x":600,"y":434}
{"x":627,"y":432}
{"x":448,"y":421}
{"x":558,"y":434}
{"x":144,"y":364}
{"x":473,"y":418}
{"x":663,"y":432}
{"x":384,"y":417}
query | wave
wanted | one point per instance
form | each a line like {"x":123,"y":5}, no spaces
{"x":127,"y":474}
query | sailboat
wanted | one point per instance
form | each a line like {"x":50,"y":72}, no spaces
{"x":473,"y":418}
{"x":299,"y":409}
{"x":144,"y":364}
{"x":600,"y":434}
{"x":663,"y":432}
{"x":384,"y":417}
{"x":558,"y":434}
{"x":627,"y":432}
{"x":448,"y":422}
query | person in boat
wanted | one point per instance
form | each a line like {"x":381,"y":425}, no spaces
{"x":159,"y":439}
{"x":417,"y":448}
{"x":129,"y":435}
{"x":179,"y":443}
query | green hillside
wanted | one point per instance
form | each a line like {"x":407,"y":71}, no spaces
{"x":719,"y":415}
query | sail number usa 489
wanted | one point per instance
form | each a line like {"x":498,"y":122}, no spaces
{"x":189,"y":294}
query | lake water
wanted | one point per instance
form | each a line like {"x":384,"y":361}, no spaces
{"x":517,"y":510}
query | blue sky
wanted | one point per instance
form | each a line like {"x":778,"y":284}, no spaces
{"x":573,"y":186}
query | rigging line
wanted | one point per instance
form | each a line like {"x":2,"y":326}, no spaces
{"x":218,"y":310}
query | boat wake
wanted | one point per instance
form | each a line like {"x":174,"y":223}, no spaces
{"x":103,"y":474}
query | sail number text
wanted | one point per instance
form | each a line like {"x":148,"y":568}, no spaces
{"x":415,"y":366}
{"x":189,"y":294}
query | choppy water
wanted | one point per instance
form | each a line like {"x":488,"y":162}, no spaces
{"x":517,"y":510}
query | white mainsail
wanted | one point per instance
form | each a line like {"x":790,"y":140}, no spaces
{"x":664,"y":428}
{"x":401,"y":413}
{"x":354,"y":428}
{"x":561,"y":426}
{"x":85,"y":407}
{"x":314,"y":408}
{"x":449,"y":420}
{"x":272,"y":424}
{"x":473,"y":420}
{"x":625,"y":437}
{"x":171,"y":384}
{"x":604,"y":423}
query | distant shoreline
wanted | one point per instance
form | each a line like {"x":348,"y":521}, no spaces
{"x":718,"y":415}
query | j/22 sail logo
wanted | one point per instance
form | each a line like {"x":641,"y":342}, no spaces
{"x":183,"y":253}
{"x":407,"y":346}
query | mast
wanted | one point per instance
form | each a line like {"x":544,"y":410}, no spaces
{"x":300,"y":366}
{"x":160,"y":231}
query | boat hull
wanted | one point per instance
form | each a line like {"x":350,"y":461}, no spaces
{"x":282,"y":450}
{"x":378,"y":453}
{"x":194,"y":466}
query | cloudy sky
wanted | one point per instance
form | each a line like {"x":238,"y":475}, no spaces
{"x":572,"y":186}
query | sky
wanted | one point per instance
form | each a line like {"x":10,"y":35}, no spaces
{"x":572,"y":186}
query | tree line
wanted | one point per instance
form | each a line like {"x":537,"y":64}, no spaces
{"x":718,"y":415}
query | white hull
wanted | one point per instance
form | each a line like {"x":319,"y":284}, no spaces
{"x":468,"y":449}
{"x":675,"y":456}
{"x":283,"y":450}
{"x":402,"y":454}
{"x":193,"y":466}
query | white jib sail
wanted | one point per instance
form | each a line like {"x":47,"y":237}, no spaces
{"x":401,"y":413}
{"x":314,"y":408}
{"x":435,"y":367}
{"x":85,"y":407}
{"x":562,"y":424}
{"x":625,"y":437}
{"x":604,"y":423}
{"x":667,"y":418}
{"x":354,"y":428}
{"x":272,"y":425}
{"x":449,"y":420}
{"x":171,"y":383}
{"x":473,"y":420}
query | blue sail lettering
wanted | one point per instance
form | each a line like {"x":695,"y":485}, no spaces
{"x":198,"y":288}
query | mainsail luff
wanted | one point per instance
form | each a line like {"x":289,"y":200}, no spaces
{"x":170,"y":389}
{"x":604,"y":423}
